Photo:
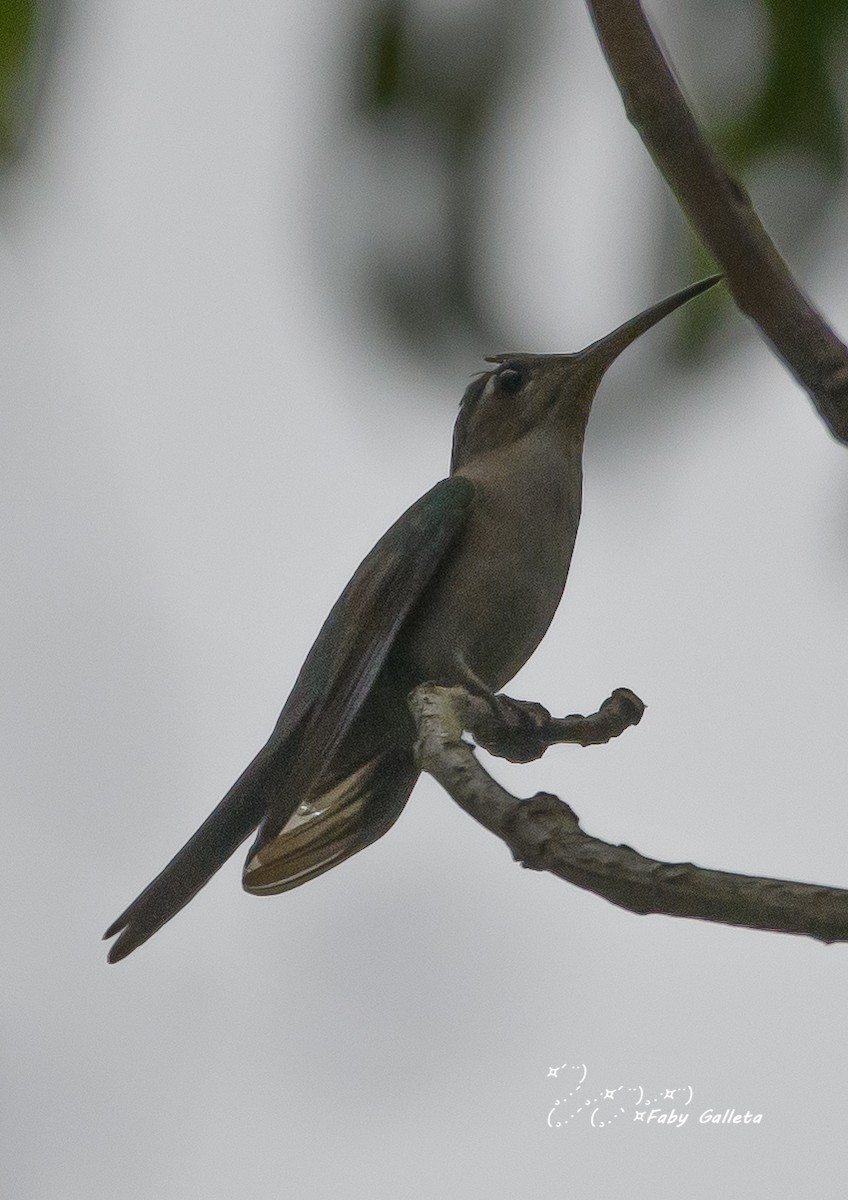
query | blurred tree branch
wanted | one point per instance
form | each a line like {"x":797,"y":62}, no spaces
{"x":544,"y":833}
{"x":720,"y":210}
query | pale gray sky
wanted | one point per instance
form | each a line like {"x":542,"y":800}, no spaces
{"x":201,"y":443}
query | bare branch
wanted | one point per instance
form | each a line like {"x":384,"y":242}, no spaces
{"x":544,"y":833}
{"x":720,"y":210}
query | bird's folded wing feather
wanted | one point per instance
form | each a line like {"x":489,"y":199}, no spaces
{"x":355,"y":640}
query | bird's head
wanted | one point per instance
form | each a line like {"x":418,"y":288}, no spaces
{"x":523,"y":390}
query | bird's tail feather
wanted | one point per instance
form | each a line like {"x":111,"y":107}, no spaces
{"x":223,"y":831}
{"x":333,"y":822}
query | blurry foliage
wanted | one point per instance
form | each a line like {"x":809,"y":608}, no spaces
{"x":24,"y":26}
{"x":436,"y":77}
{"x":795,"y":115}
{"x":797,"y":108}
{"x":431,"y":79}
{"x":442,"y":74}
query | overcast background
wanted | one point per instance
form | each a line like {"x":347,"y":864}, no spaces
{"x":204,"y":434}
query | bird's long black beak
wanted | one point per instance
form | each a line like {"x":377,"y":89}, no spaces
{"x":602,"y":353}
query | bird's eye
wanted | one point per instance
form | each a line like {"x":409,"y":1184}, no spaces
{"x":510,"y":378}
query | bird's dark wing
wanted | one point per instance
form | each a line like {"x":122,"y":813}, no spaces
{"x":363,"y":625}
{"x":333,"y":684}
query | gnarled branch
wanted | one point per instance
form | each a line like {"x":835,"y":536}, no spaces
{"x":720,"y":210}
{"x":544,"y":833}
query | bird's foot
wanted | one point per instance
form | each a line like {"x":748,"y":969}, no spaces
{"x":516,"y":730}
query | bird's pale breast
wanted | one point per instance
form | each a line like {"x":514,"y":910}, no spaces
{"x":497,"y":594}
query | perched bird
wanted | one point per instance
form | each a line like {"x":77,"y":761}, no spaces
{"x":460,"y":591}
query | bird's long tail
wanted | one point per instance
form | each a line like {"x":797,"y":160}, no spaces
{"x":220,"y":835}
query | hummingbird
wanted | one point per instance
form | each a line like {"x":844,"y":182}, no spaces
{"x":460,"y":591}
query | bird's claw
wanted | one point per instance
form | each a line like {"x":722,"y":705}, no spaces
{"x":516,"y":730}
